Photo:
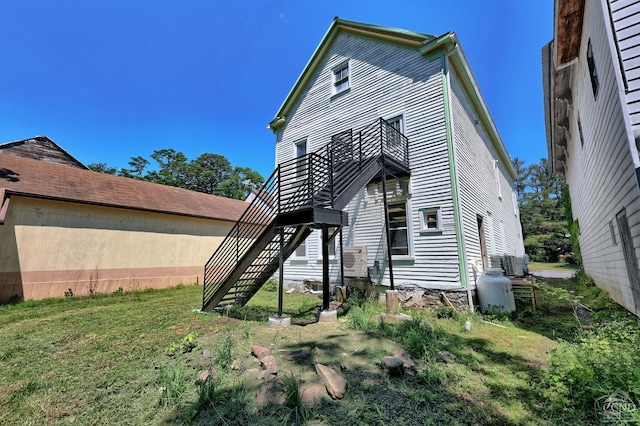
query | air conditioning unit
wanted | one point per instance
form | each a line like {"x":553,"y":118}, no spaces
{"x":355,"y":262}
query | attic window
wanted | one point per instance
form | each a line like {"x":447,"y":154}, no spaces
{"x":340,"y":78}
{"x":592,"y":71}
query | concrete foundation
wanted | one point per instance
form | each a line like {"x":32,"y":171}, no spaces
{"x":276,"y":321}
{"x":329,"y":315}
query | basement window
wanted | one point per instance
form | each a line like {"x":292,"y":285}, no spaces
{"x":593,"y":73}
{"x":430,"y":220}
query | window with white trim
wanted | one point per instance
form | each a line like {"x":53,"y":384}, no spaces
{"x":496,"y":169}
{"x":301,"y":250}
{"x":399,"y":228}
{"x":394,"y":131}
{"x":430,"y":220}
{"x":301,"y":165}
{"x":340,"y":77}
{"x":332,"y":244}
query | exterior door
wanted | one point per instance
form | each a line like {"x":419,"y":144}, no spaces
{"x":630,"y":259}
{"x":483,"y":243}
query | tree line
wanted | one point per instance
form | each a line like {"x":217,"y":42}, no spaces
{"x":208,"y":173}
{"x":548,"y":228}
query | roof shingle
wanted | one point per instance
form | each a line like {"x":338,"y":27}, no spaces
{"x":33,"y":178}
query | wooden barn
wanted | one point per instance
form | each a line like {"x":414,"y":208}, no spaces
{"x":66,"y":229}
{"x":389,"y":169}
{"x":591,"y":80}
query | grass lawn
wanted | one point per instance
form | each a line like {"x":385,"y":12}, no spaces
{"x":557,"y":266}
{"x":133,"y":358}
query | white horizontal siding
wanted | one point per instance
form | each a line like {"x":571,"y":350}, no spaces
{"x":625,"y":16}
{"x":386,"y":80}
{"x":601,"y":173}
{"x":475,"y":157}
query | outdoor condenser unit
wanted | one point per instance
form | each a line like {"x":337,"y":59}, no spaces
{"x":355,"y":262}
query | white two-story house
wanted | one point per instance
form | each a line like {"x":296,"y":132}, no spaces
{"x":455,"y":214}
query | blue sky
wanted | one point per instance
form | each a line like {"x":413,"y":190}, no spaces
{"x":112,"y":79}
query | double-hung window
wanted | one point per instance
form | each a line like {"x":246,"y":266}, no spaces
{"x":394,"y":131}
{"x":301,"y":165}
{"x":340,"y":78}
{"x":399,"y":229}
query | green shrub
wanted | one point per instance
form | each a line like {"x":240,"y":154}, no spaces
{"x":186,"y":344}
{"x":224,"y":352}
{"x":271,"y":285}
{"x":603,"y":360}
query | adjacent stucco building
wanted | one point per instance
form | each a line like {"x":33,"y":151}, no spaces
{"x":63,"y":227}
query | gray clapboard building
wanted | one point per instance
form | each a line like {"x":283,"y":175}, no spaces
{"x":591,"y":80}
{"x":381,"y":108}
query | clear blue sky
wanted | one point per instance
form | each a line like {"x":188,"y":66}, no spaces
{"x":112,"y":79}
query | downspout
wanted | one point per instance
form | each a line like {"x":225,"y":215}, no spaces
{"x":457,"y":212}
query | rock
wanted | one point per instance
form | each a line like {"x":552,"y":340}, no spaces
{"x":271,"y":392}
{"x":265,"y":374}
{"x":202,"y":377}
{"x":445,"y":356}
{"x":395,"y":317}
{"x":336,"y":384}
{"x":394,"y":365}
{"x":344,"y":366}
{"x":236,"y":364}
{"x":312,"y":393}
{"x":296,"y":355}
{"x":269,"y":363}
{"x":206,"y":354}
{"x":400,"y":353}
{"x":259,"y":352}
{"x":252,"y":373}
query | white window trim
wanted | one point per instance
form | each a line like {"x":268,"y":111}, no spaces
{"x":335,"y":244}
{"x":496,"y":168}
{"x":407,"y":203}
{"x":295,"y":256}
{"x":423,"y":223}
{"x":297,"y":143}
{"x":334,"y":90}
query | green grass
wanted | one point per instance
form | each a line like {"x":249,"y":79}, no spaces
{"x":557,"y":266}
{"x":132,"y":358}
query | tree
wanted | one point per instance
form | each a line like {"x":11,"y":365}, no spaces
{"x":542,"y":213}
{"x":208,"y":173}
{"x":102,"y":168}
{"x":240,"y":183}
{"x":522,"y":174}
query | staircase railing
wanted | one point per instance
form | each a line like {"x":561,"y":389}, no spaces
{"x":316,"y":179}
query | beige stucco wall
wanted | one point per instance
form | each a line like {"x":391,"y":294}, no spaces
{"x":48,"y":247}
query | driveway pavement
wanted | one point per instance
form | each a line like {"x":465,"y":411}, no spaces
{"x":553,"y":274}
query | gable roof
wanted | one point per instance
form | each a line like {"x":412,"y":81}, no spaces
{"x":41,"y":148}
{"x":424,"y":44}
{"x":40,"y":179}
{"x":387,"y":34}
